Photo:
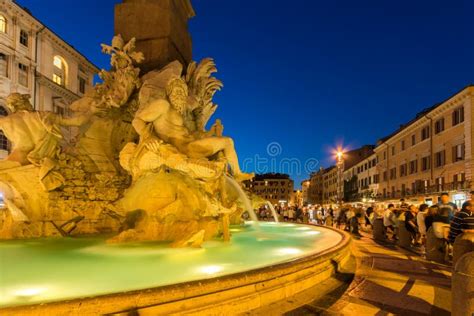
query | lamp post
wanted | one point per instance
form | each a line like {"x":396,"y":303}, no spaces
{"x":340,"y":174}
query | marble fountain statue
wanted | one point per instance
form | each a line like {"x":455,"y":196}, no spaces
{"x":134,"y":214}
{"x":143,"y":165}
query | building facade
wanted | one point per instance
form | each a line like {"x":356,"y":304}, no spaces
{"x":330,"y":186}
{"x":36,"y":61}
{"x":315,"y":189}
{"x":431,"y":154}
{"x":305,"y":191}
{"x":276,"y":188}
{"x":361,"y":181}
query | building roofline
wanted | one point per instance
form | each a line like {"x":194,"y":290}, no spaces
{"x":26,"y":10}
{"x":420,"y":115}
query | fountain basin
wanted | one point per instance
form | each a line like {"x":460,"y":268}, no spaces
{"x":87,"y":276}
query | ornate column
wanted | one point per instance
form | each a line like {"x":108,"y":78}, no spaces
{"x":160,"y":28}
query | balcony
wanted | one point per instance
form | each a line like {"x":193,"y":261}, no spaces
{"x":433,"y":189}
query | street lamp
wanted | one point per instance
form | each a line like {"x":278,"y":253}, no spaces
{"x":340,"y":174}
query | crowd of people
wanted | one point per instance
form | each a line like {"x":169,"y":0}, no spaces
{"x":445,"y":219}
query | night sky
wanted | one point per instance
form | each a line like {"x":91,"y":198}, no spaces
{"x":307,"y":74}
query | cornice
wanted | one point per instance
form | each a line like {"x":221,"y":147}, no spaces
{"x":14,"y":10}
{"x":60,"y":90}
{"x":453,"y":102}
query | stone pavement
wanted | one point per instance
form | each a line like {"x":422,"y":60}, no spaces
{"x":388,"y":280}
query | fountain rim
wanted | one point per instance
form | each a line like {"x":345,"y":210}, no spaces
{"x":245,"y":278}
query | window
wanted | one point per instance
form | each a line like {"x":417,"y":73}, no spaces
{"x":4,"y":143}
{"x":3,"y":112}
{"x":3,"y":65}
{"x":58,"y":79}
{"x":59,"y":71}
{"x":426,"y":184}
{"x":3,"y":24}
{"x":24,"y":38}
{"x":425,"y":163}
{"x":385,"y":176}
{"x":439,"y":126}
{"x":82,"y":85}
{"x":393,"y":173}
{"x":23,"y":75}
{"x":458,"y":116}
{"x":413,"y":166}
{"x":403,"y":145}
{"x":384,"y":155}
{"x":439,"y":183}
{"x":393,"y":150}
{"x":413,"y":140}
{"x":440,"y":159}
{"x":403,"y":170}
{"x":458,"y":152}
{"x":425,"y":133}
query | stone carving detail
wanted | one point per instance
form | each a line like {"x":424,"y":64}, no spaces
{"x":142,"y":165}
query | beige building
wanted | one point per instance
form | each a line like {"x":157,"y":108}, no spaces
{"x":305,"y":191}
{"x":330,"y":186}
{"x":36,"y":61}
{"x":361,"y":181}
{"x":315,"y":189}
{"x":431,"y":154}
{"x":274,"y":187}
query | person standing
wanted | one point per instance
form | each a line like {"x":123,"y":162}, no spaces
{"x":389,"y":220}
{"x":420,"y":222}
{"x":410,"y":222}
{"x":430,"y":216}
{"x":291,"y":214}
{"x":446,"y":208}
{"x":462,"y":221}
{"x":285,"y":214}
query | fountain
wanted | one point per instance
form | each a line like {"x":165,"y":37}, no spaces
{"x":141,"y":210}
{"x":247,"y":204}
{"x":272,"y":209}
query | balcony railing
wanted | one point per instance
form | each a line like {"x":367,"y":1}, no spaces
{"x":432,"y":189}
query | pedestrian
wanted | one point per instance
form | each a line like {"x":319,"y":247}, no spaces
{"x":389,"y":221}
{"x":410,"y":222}
{"x":430,"y":216}
{"x":291,"y":214}
{"x":420,"y":221}
{"x":305,"y":216}
{"x":285,"y":214}
{"x":447,"y":208}
{"x":354,"y":224}
{"x":367,"y":215}
{"x":404,"y":205}
{"x":462,"y":221}
{"x":328,"y":219}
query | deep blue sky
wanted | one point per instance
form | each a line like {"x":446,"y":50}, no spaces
{"x":308,"y":74}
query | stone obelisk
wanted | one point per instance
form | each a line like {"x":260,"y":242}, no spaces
{"x":160,"y":28}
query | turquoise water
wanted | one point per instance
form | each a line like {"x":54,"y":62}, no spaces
{"x":45,"y":270}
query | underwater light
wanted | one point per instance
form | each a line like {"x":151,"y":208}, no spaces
{"x":312,"y":233}
{"x":303,"y":228}
{"x":28,"y":292}
{"x":211,"y":269}
{"x":289,"y":251}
